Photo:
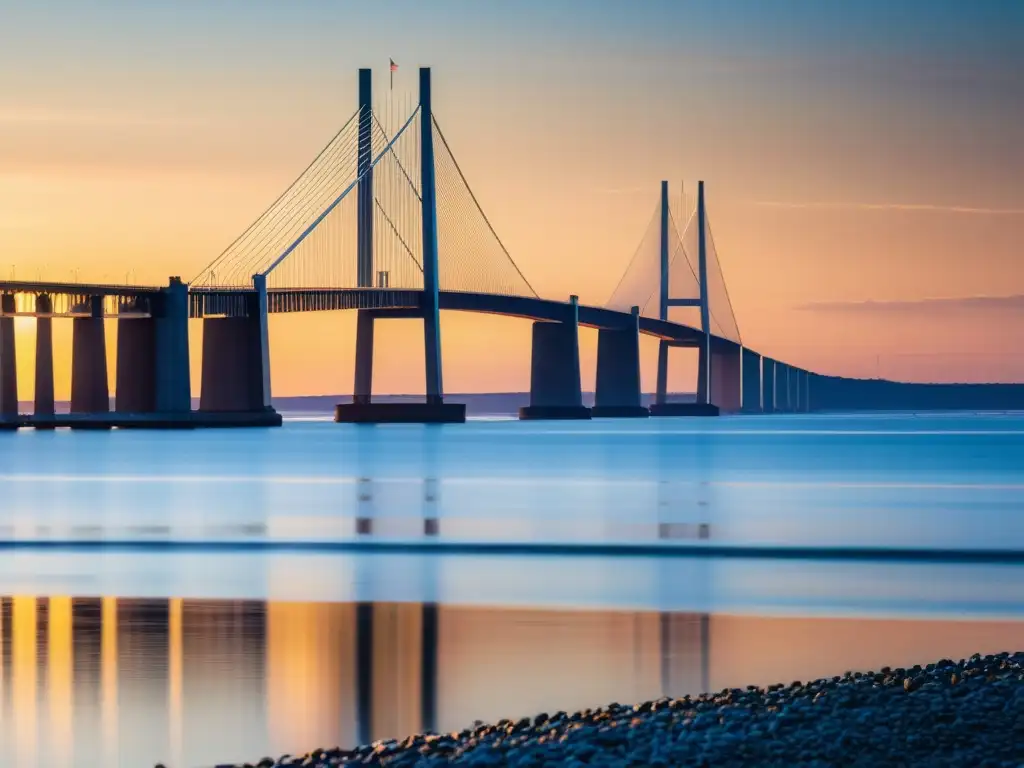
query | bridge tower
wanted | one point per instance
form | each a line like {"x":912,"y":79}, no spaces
{"x":431,"y":287}
{"x":720,"y":376}
{"x":362,"y":409}
{"x":364,"y":240}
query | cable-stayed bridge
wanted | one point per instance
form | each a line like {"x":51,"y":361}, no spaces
{"x":384,"y":222}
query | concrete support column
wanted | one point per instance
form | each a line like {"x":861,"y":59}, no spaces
{"x":768,"y":369}
{"x":797,"y":381}
{"x":618,"y":371}
{"x":362,"y":392}
{"x":808,"y":381}
{"x":782,"y":403}
{"x":90,"y":392}
{"x":260,"y":313}
{"x":44,"y":398}
{"x":704,"y":373}
{"x":752,"y":389}
{"x":554,"y":366}
{"x":236,"y":360}
{"x":231,"y":376}
{"x":152,"y":357}
{"x":172,"y":375}
{"x":135,"y":386}
{"x":555,"y":390}
{"x":8,"y":359}
{"x":726,"y":379}
{"x":661,"y":390}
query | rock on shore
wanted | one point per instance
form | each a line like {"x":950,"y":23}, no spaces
{"x":966,"y":713}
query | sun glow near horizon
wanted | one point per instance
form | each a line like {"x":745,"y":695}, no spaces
{"x":158,"y":148}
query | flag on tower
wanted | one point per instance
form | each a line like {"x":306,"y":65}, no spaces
{"x":393,"y":65}
{"x":393,"y":68}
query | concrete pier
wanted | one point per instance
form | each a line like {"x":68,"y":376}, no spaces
{"x":8,"y":360}
{"x":172,"y":375}
{"x":236,"y":362}
{"x":90,"y":391}
{"x":782,"y":390}
{"x":555,"y":390}
{"x":232,"y":379}
{"x":152,"y":357}
{"x":617,"y":393}
{"x":803,"y":404}
{"x":135,"y":385}
{"x":44,"y":397}
{"x":363,"y":389}
{"x":752,"y":390}
{"x":661,"y":384}
{"x":704,"y":373}
{"x":726,"y":377}
{"x":726,"y":380}
{"x":768,"y":384}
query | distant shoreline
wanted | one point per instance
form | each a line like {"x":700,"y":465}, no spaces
{"x":827,"y":394}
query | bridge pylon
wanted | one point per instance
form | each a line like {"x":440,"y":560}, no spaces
{"x":362,"y":409}
{"x":720,"y":353}
{"x":668,"y":234}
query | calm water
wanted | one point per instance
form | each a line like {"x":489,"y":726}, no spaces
{"x":129,"y":656}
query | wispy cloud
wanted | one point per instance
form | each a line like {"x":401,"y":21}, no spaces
{"x":926,"y":207}
{"x":1012,"y":302}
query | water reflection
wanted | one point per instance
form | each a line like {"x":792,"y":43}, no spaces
{"x":108,"y":681}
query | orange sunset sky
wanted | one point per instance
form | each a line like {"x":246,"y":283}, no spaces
{"x":863,"y":161}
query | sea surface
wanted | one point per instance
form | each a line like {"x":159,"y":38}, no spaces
{"x":216,"y":596}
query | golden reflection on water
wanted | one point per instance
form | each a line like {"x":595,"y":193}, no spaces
{"x":174,"y":668}
{"x":132,"y":682}
{"x":108,"y":675}
{"x":23,"y":680}
{"x":310,"y":674}
{"x":59,"y":680}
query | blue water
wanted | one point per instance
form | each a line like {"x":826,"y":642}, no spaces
{"x":953,"y":481}
{"x":193,"y":655}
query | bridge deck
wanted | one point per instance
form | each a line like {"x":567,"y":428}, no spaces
{"x":76,"y":289}
{"x":227,"y":301}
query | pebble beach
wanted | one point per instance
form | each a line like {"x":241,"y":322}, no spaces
{"x":947,"y":713}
